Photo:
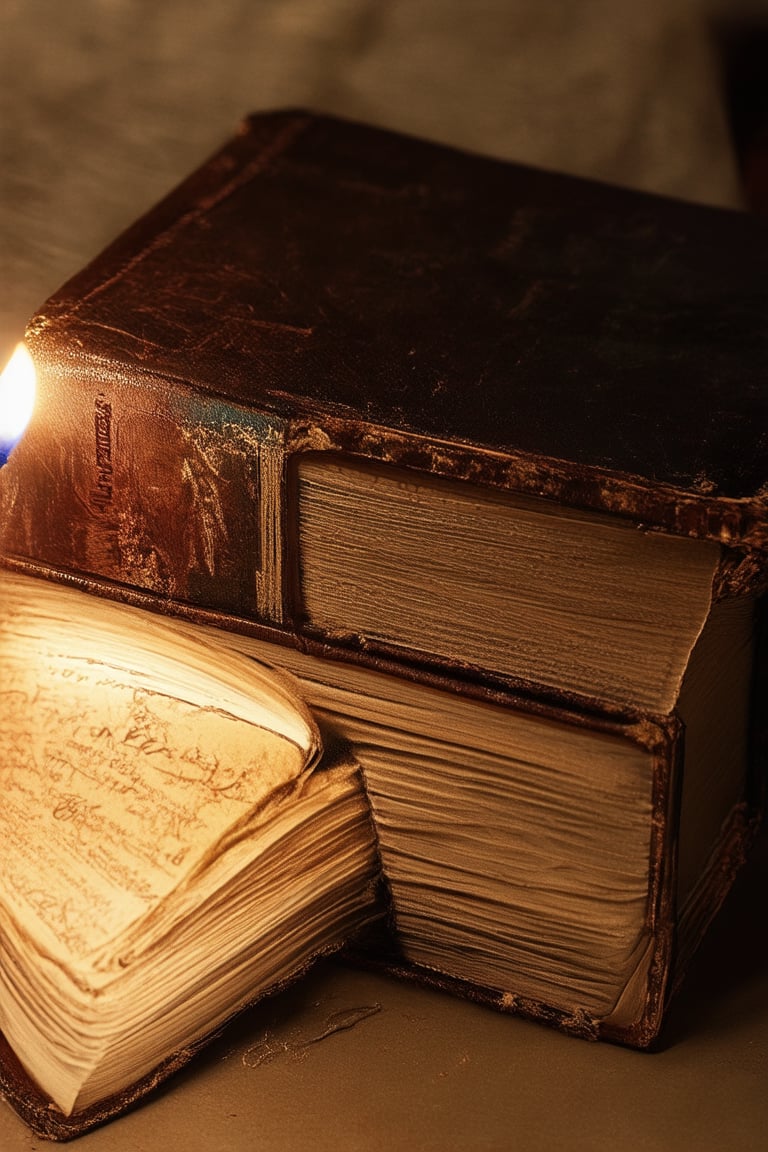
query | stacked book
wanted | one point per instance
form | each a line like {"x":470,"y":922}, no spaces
{"x":431,"y":491}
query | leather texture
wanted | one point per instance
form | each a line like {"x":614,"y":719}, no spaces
{"x":604,"y":347}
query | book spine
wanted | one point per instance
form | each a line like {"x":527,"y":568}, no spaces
{"x":145,"y":483}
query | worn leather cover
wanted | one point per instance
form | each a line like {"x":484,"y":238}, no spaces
{"x":463,"y":315}
{"x":320,"y":285}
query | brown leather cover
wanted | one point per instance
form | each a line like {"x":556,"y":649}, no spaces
{"x":321,"y":285}
{"x":600,"y":345}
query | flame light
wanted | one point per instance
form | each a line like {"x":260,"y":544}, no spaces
{"x":17,"y":399}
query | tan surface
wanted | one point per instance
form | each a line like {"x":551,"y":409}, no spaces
{"x":104,"y":104}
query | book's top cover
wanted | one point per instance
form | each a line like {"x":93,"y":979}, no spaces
{"x":322,"y":269}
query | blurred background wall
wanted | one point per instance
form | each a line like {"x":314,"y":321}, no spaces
{"x":105,"y":104}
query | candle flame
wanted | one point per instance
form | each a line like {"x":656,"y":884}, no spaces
{"x":17,"y":397}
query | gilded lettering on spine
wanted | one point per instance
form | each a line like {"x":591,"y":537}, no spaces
{"x":101,"y":492}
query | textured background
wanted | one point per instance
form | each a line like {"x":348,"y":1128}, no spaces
{"x":105,"y":104}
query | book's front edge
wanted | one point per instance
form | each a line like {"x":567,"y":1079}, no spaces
{"x":638,"y":1014}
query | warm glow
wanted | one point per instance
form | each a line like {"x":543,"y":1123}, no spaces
{"x":17,"y":396}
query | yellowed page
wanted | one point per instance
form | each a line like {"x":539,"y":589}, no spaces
{"x":114,"y":791}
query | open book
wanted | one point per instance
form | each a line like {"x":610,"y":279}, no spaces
{"x":172,"y":846}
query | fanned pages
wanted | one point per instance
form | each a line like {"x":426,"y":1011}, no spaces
{"x":166,"y":851}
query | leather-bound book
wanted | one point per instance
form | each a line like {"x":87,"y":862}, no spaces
{"x":339,"y":370}
{"x":477,"y":453}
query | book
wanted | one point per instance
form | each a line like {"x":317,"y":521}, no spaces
{"x":367,"y":334}
{"x":542,"y":860}
{"x":539,"y":860}
{"x":477,"y":453}
{"x":172,"y":848}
